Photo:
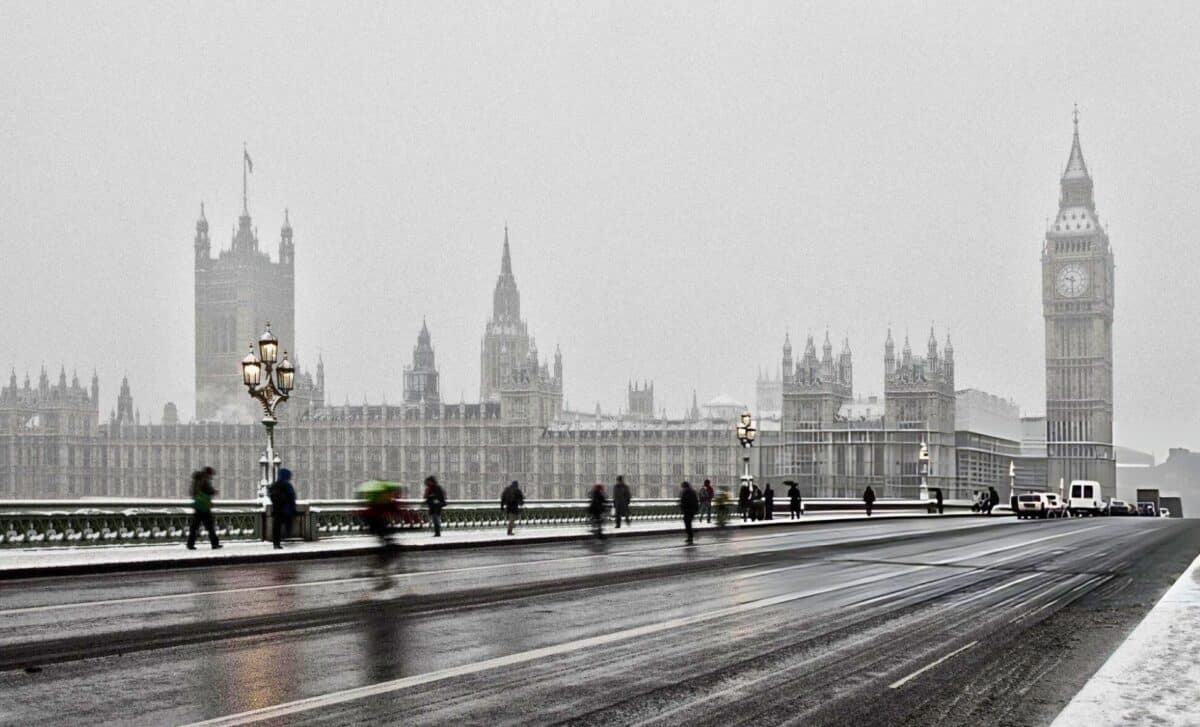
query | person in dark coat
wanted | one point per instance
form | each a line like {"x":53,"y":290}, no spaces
{"x":689,"y":505}
{"x":755,"y":503}
{"x":621,"y":499}
{"x":869,"y":499}
{"x":283,"y":507}
{"x":993,"y":499}
{"x":793,"y":494}
{"x":597,"y":505}
{"x":769,"y":502}
{"x":744,"y":501}
{"x":435,"y":500}
{"x":940,"y":501}
{"x":202,"y":495}
{"x":706,"y":497}
{"x":511,"y":501}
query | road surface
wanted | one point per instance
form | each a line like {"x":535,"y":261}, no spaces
{"x":957,"y":621}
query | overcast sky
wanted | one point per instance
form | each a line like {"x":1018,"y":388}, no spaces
{"x":683,"y":183}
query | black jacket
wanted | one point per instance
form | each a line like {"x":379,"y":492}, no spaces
{"x":869,"y":495}
{"x":621,"y":496}
{"x":744,"y":495}
{"x":689,"y":504}
{"x":512,"y":499}
{"x":435,"y":498}
{"x":794,"y":493}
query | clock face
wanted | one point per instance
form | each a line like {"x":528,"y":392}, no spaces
{"x":1071,"y":281}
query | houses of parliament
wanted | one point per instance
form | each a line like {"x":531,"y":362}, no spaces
{"x":55,"y":443}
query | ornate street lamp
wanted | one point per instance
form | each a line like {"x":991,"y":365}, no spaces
{"x":270,"y":383}
{"x":923,"y":465}
{"x":746,"y":434}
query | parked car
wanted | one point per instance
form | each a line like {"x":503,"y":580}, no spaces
{"x":1118,"y":507}
{"x":1033,"y":504}
{"x":1147,"y":509}
{"x":1085,"y":498}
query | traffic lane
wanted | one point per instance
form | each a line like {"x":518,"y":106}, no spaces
{"x":464,"y":637}
{"x":741,"y":674}
{"x":231,"y":593}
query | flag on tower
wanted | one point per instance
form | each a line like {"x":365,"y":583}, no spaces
{"x":249,"y":161}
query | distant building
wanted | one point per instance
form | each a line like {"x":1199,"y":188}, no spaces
{"x":1176,"y":477}
{"x":987,"y":440}
{"x":421,"y":378}
{"x":768,"y":393}
{"x":640,"y":400}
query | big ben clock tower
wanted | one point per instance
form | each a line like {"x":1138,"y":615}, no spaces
{"x":1077,"y":302}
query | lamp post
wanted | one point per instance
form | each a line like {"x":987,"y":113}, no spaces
{"x":923,"y":465}
{"x":1012,"y":482}
{"x":269,"y":383}
{"x":746,"y":434}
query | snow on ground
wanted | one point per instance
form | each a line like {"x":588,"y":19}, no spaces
{"x":1153,"y":678}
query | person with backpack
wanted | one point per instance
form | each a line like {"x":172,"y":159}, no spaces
{"x":435,"y":500}
{"x":793,"y":494}
{"x":621,"y":499}
{"x":202,"y":495}
{"x":283,"y":506}
{"x":689,"y":505}
{"x":511,"y":501}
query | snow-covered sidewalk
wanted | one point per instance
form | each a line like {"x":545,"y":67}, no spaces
{"x":1153,"y":678}
{"x":63,"y":560}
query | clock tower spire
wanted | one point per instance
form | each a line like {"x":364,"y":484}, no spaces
{"x":1077,"y":305}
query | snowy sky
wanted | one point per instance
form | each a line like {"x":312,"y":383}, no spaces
{"x":683,"y":182}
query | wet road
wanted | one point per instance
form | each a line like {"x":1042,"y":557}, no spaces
{"x":956,"y":621}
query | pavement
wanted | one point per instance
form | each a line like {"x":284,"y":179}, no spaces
{"x":1153,"y":678}
{"x":64,"y":560}
{"x":951,"y":621}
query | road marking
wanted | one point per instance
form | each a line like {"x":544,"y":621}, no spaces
{"x":416,"y":574}
{"x":901,"y":682}
{"x":992,"y":590}
{"x":395,"y":685}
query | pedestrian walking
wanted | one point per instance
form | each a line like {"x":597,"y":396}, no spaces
{"x":744,"y":501}
{"x":993,"y":499}
{"x":689,"y":505}
{"x":755,"y":503}
{"x":283,"y":507}
{"x":511,"y":501}
{"x":769,"y":502}
{"x":706,"y":497}
{"x":381,"y":509}
{"x":621,"y":499}
{"x":793,"y":494}
{"x":869,"y":499}
{"x":940,"y":501}
{"x":202,"y":495}
{"x":435,"y":500}
{"x":597,"y":505}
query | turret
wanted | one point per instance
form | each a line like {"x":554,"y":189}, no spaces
{"x":889,"y":353}
{"x":788,"y":364}
{"x":558,"y":365}
{"x":201,"y":243}
{"x":287,"y":250}
{"x":125,"y":414}
{"x":931,"y":354}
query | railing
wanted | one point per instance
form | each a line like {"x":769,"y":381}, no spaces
{"x":43,"y":523}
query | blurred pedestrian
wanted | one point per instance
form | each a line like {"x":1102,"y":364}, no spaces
{"x":689,"y":505}
{"x":435,"y":500}
{"x":993,"y":499}
{"x":769,"y":502}
{"x":621,"y":499}
{"x":755,"y":503}
{"x":940,"y":501}
{"x":511,"y":501}
{"x":744,"y":501}
{"x":706,"y":497}
{"x":597,"y":505}
{"x":283,"y":506}
{"x":794,"y":500}
{"x":869,"y":499}
{"x":202,"y":495}
{"x":381,"y":509}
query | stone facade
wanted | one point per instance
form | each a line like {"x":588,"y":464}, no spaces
{"x":1077,"y":302}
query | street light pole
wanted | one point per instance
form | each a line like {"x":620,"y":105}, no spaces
{"x":923,"y":463}
{"x":746,"y":434}
{"x":269,"y":383}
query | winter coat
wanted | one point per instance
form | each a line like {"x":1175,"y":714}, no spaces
{"x":794,"y":494}
{"x":869,"y":495}
{"x":598,"y":503}
{"x":435,"y":498}
{"x":705,"y":494}
{"x":993,"y":497}
{"x":202,"y":492}
{"x":769,"y":496}
{"x":283,"y":498}
{"x":744,"y":495}
{"x":512,"y":499}
{"x":621,"y":496}
{"x":689,"y":504}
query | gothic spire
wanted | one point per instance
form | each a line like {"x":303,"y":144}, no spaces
{"x":506,"y":259}
{"x":1076,"y":167}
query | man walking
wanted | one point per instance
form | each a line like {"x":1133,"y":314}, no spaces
{"x":794,"y":500}
{"x":283,"y":507}
{"x":202,"y":495}
{"x":940,"y":501}
{"x":706,"y":498}
{"x":435,"y":500}
{"x":621,"y":498}
{"x":511,"y":501}
{"x":744,"y":501}
{"x":769,"y":502}
{"x":689,"y":505}
{"x":993,"y":499}
{"x":869,"y":499}
{"x":597,"y":505}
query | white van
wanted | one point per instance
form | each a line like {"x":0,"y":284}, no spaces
{"x":1085,"y":498}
